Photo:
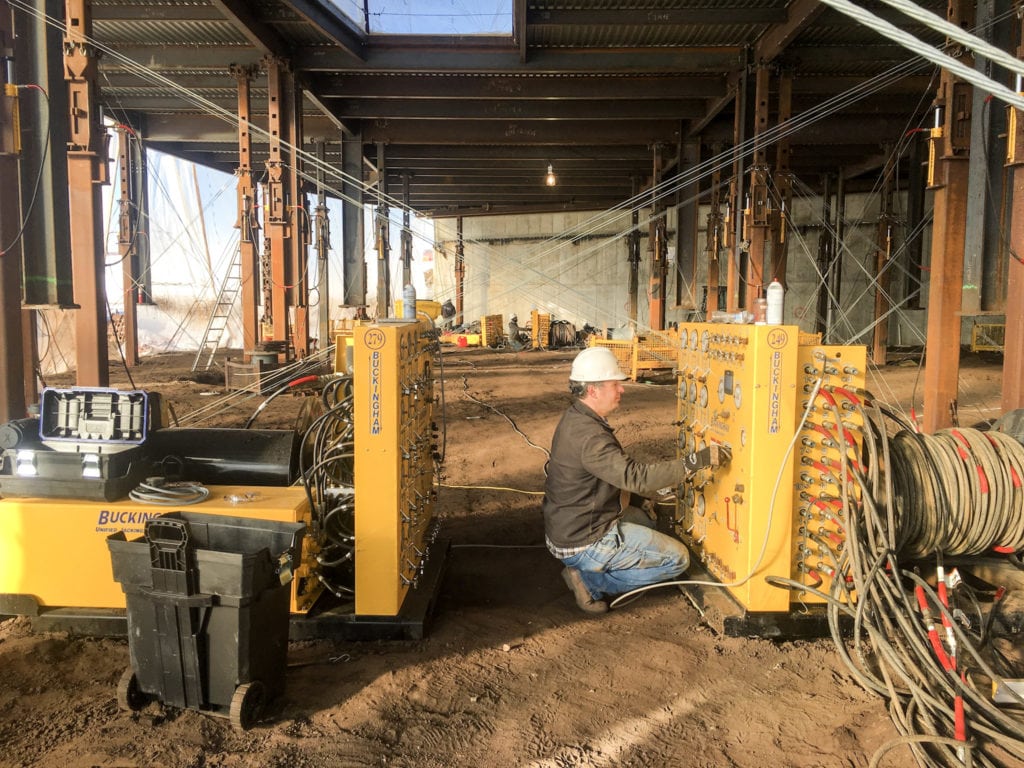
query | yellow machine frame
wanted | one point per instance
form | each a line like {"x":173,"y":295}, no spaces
{"x":54,"y":551}
{"x":395,"y":497}
{"x":744,"y":386}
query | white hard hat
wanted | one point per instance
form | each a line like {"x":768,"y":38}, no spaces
{"x":596,"y":364}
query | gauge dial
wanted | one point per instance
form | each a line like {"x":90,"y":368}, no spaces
{"x":721,"y":390}
{"x":701,"y":505}
{"x":693,"y":339}
{"x":693,"y":391}
{"x":737,"y":396}
{"x":703,"y":395}
{"x":705,"y":341}
{"x":743,"y":437}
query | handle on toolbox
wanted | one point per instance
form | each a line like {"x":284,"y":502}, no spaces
{"x":171,"y":556}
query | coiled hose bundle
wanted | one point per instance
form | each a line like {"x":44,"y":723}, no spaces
{"x":922,"y":634}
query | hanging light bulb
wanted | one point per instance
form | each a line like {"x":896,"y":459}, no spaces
{"x":550,"y":179}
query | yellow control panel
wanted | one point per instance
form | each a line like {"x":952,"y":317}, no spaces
{"x":55,"y":550}
{"x":828,"y":456}
{"x":745,"y":386}
{"x":394,"y":445}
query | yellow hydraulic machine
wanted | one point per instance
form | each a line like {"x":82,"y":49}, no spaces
{"x":769,"y":512}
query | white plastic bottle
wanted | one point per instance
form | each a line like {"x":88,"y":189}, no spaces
{"x":776,"y":296}
{"x":409,"y":302}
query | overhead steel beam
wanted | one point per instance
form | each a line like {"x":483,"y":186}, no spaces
{"x":521,"y":132}
{"x":187,"y":129}
{"x":516,"y":86}
{"x":500,"y":109}
{"x":655,"y":16}
{"x":797,"y":16}
{"x":458,"y":54}
{"x":583,"y":155}
{"x":264,"y":36}
{"x":130,"y":11}
{"x":351,"y":39}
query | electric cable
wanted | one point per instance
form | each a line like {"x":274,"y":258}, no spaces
{"x":168,"y":494}
{"x":518,"y":431}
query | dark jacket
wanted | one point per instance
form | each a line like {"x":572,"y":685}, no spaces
{"x":586,"y":471}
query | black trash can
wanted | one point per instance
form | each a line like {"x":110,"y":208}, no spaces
{"x":208,"y":601}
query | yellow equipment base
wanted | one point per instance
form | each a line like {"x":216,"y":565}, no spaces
{"x":54,"y":551}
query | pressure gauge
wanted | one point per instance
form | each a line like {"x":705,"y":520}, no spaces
{"x":705,"y":341}
{"x":691,"y":443}
{"x":693,"y":339}
{"x":688,"y":499}
{"x":701,"y":505}
{"x":743,"y":437}
{"x":693,"y":391}
{"x":703,"y":395}
{"x":721,"y":390}
{"x":737,"y":396}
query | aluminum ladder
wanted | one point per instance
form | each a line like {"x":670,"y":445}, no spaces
{"x":218,"y":322}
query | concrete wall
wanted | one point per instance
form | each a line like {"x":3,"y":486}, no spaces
{"x":574,"y":266}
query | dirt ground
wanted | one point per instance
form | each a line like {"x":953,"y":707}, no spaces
{"x":511,"y":673}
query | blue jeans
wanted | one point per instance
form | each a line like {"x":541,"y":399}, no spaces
{"x":631,"y":554}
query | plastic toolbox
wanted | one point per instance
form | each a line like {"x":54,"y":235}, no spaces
{"x":94,"y":415}
{"x":76,"y":472}
{"x":208,"y":601}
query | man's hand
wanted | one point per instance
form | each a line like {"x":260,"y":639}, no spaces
{"x":713,"y":456}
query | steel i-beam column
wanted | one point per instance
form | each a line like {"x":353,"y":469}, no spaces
{"x":945,"y":288}
{"x":1013,"y":342}
{"x":297,"y":254}
{"x":715,"y":228}
{"x":460,"y":273}
{"x":783,"y":183}
{"x":633,"y":256}
{"x":657,"y":247}
{"x":278,"y":224}
{"x":383,"y":238}
{"x":248,"y":215}
{"x":756,"y":216}
{"x":87,"y":170}
{"x":128,"y":239}
{"x":353,"y":250}
{"x":12,"y":394}
{"x":322,"y":223}
{"x":686,"y":228}
{"x":883,"y":265}
{"x":406,"y":232}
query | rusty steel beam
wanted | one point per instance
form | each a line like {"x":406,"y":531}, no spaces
{"x":278,"y":222}
{"x":1013,"y":341}
{"x":658,"y":247}
{"x":460,"y":273}
{"x":248,"y":215}
{"x":127,"y":242}
{"x":715,"y":229}
{"x":783,"y":184}
{"x":298,"y":250}
{"x":12,"y":375}
{"x":757,"y":220}
{"x":949,"y":233}
{"x":887,"y":223}
{"x":87,"y":170}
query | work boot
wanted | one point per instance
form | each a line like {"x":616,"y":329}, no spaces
{"x":584,"y":599}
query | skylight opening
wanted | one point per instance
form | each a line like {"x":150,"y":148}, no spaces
{"x":429,"y":17}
